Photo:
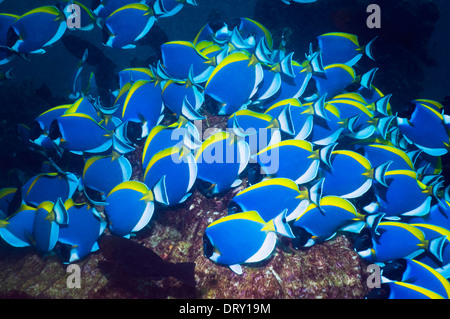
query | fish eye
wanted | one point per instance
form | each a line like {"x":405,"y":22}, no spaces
{"x":234,"y":208}
{"x":208,"y":248}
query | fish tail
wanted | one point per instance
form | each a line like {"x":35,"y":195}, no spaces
{"x":436,"y":246}
{"x":368,"y":49}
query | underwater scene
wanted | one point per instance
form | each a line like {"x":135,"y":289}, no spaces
{"x":205,"y":149}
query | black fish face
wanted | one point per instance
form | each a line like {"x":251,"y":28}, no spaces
{"x":395,"y":269}
{"x":301,"y":237}
{"x":234,"y":208}
{"x":11,"y":38}
{"x":54,"y":131}
{"x":208,"y":248}
{"x":35,"y":131}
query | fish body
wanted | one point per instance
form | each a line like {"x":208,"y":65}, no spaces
{"x":78,"y":132}
{"x":127,"y":25}
{"x":293,"y":159}
{"x":398,"y":240}
{"x":17,"y":229}
{"x":417,"y":273}
{"x":178,"y":168}
{"x":143,"y":104}
{"x":36,"y":29}
{"x":403,"y":184}
{"x":178,"y":57}
{"x":231,"y":92}
{"x":220,"y":159}
{"x":239,"y":238}
{"x":82,"y":231}
{"x":402,"y":290}
{"x":427,"y":129}
{"x":129,"y":207}
{"x":350,"y":176}
{"x":6,"y":20}
{"x":332,"y":215}
{"x":103,"y":173}
{"x":340,"y":47}
{"x":257,"y":129}
{"x":49,"y":187}
{"x":283,"y":193}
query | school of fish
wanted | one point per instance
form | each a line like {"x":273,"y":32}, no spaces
{"x":322,"y":148}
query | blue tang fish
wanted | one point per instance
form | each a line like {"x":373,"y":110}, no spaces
{"x":340,"y":47}
{"x":132,"y":75}
{"x":351,"y":175}
{"x":249,"y":27}
{"x":378,"y":154}
{"x":47,"y":220}
{"x":291,"y":112}
{"x":49,"y":187}
{"x":127,"y":25}
{"x":178,"y":57}
{"x":178,"y":168}
{"x":183,"y":98}
{"x":327,"y":125}
{"x":40,"y":128}
{"x":366,"y":124}
{"x":403,"y":184}
{"x":283,"y":193}
{"x":437,"y":234}
{"x":259,"y":130}
{"x":439,"y":215}
{"x":6,"y":20}
{"x":402,"y":290}
{"x":103,"y":173}
{"x":78,"y":133}
{"x":17,"y":229}
{"x":130,"y":207}
{"x":323,"y":222}
{"x":427,"y":129}
{"x":182,"y":133}
{"x":84,"y":105}
{"x":230,"y":91}
{"x":103,"y":8}
{"x":82,"y":231}
{"x":36,"y":29}
{"x":220,"y":159}
{"x":293,"y":159}
{"x":417,"y":273}
{"x":393,"y":240}
{"x":143,"y":104}
{"x":293,"y":82}
{"x":335,"y":79}
{"x":242,"y":238}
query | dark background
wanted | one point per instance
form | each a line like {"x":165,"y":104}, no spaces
{"x":411,"y":51}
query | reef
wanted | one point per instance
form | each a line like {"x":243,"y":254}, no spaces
{"x":329,"y":270}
